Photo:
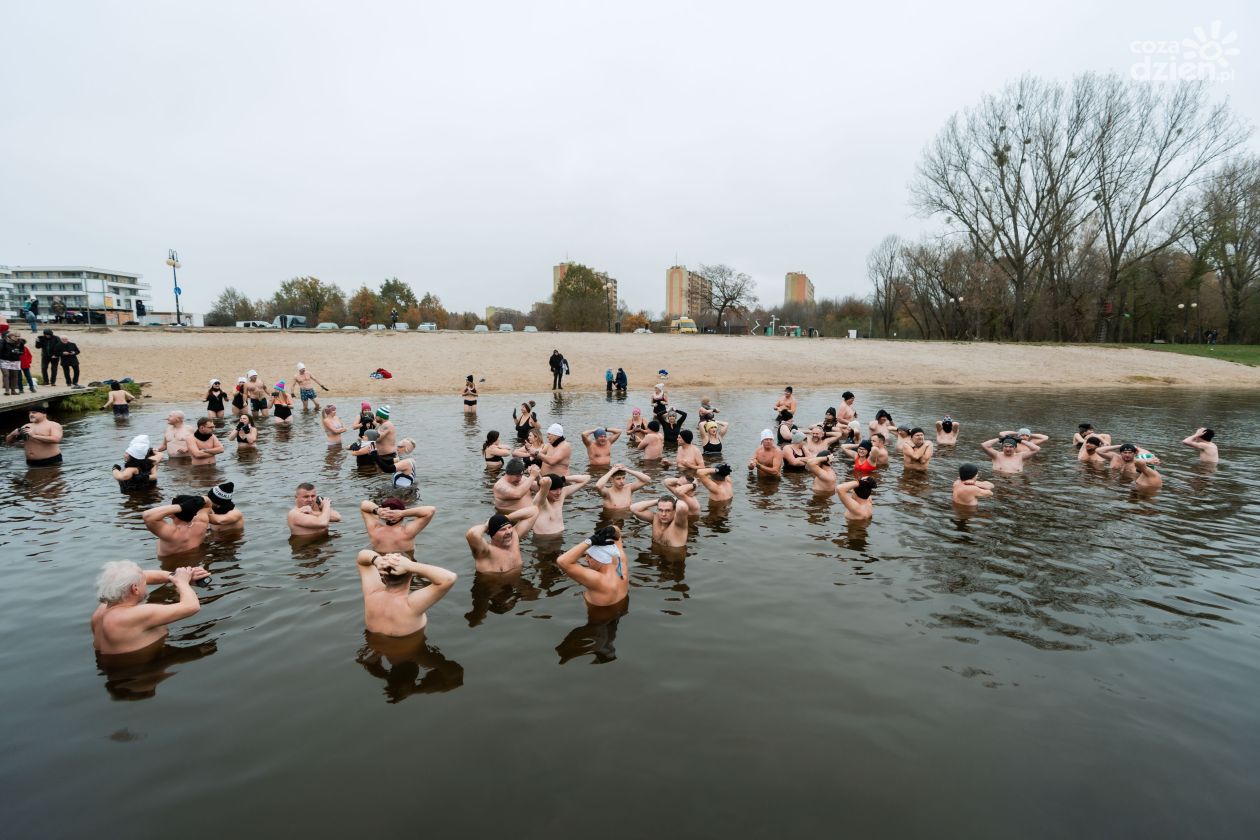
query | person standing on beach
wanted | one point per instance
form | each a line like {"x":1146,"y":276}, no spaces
{"x":124,"y":622}
{"x":556,"y":363}
{"x":304,"y":383}
{"x":390,"y":606}
{"x":40,"y":437}
{"x":621,"y":381}
{"x":49,"y":346}
{"x":256,"y":392}
{"x":70,"y":362}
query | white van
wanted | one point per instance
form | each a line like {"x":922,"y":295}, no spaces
{"x":261,"y":325}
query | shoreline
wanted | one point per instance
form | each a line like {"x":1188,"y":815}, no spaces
{"x":178,"y":363}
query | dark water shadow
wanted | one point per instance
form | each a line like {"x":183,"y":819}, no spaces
{"x":597,"y":636}
{"x":499,"y":593}
{"x":408,"y":665}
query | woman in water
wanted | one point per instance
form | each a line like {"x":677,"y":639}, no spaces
{"x":530,"y":451}
{"x":119,"y":398}
{"x":238,"y":398}
{"x":711,"y":434}
{"x":861,"y":455}
{"x":138,"y":472}
{"x":215,"y":400}
{"x":470,"y":395}
{"x":333,"y":427}
{"x":660,"y":402}
{"x":282,"y":404}
{"x":525,"y":420}
{"x":636,"y":428}
{"x":785,"y":427}
{"x":404,"y":475}
{"x":493,"y":452}
{"x":245,"y":434}
{"x":706,"y":411}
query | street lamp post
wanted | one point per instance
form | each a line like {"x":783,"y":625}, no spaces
{"x":172,"y":259}
{"x":1197,"y":330}
{"x":1185,"y":323}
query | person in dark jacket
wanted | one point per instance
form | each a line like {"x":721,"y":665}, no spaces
{"x":556,"y":363}
{"x":49,"y":356}
{"x":70,"y":362}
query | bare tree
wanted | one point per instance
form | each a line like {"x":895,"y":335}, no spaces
{"x":885,"y":266}
{"x":1152,"y":143}
{"x":1231,"y":213}
{"x":728,"y":289}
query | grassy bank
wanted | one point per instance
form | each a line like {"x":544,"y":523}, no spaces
{"x":1243,"y":354}
{"x":93,"y":399}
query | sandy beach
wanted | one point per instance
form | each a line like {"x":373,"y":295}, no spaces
{"x":180,"y":363}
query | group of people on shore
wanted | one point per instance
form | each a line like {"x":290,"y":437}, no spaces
{"x":16,"y":360}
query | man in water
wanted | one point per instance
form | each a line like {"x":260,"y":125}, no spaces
{"x":256,"y":392}
{"x":787,"y":402}
{"x":556,"y":452}
{"x":615,"y":491}
{"x":553,"y":489}
{"x":605,"y":577}
{"x":668,"y":519}
{"x":180,"y":526}
{"x":514,"y":487}
{"x":311,"y":513}
{"x":390,"y":606}
{"x":947,"y":429}
{"x":124,"y":622}
{"x":767,"y":459}
{"x":653,"y":444}
{"x":1026,"y":438}
{"x":496,"y":543}
{"x":846,"y":413}
{"x":1011,"y":457}
{"x":305,"y":384}
{"x":717,"y":480}
{"x":1134,"y":460}
{"x":967,"y":489}
{"x":916,"y":452}
{"x":225,"y":516}
{"x":386,"y":445}
{"x":387,"y":526}
{"x":688,"y":456}
{"x":40,"y":438}
{"x":1202,"y":441}
{"x":1089,"y":452}
{"x":598,"y":443}
{"x":175,"y":439}
{"x":856,"y":498}
{"x":202,"y":444}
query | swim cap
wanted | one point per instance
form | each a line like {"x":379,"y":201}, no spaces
{"x":797,"y":436}
{"x":402,"y":480}
{"x":383,"y":412}
{"x":968,"y":471}
{"x":1010,"y":441}
{"x":766,"y":434}
{"x":865,"y":444}
{"x":223,"y":491}
{"x":1025,"y":431}
{"x":915,"y":431}
{"x":372,"y":435}
{"x":722,"y":470}
{"x":365,"y":406}
{"x":604,"y":536}
{"x":1128,"y":447}
{"x":557,"y":480}
{"x":601,"y":433}
{"x":188,"y":507}
{"x":555,"y":429}
{"x":635,"y":411}
{"x":515,"y":467}
{"x":252,"y":373}
{"x":139,"y":447}
{"x":497,"y":522}
{"x":865,"y":487}
{"x":686,"y":435}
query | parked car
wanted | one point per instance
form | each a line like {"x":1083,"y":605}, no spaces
{"x":326,"y":325}
{"x":428,"y":326}
{"x":642,"y":331}
{"x":505,"y":328}
{"x":481,"y":328}
{"x":350,"y":327}
{"x":401,"y":326}
{"x":262,"y":325}
{"x":376,"y":327}
{"x":531,"y":328}
{"x":289,"y":322}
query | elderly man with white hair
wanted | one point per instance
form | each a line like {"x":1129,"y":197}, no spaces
{"x":175,"y":438}
{"x":124,"y":623}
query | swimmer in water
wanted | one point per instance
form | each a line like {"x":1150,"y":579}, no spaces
{"x":513,"y":489}
{"x":215,"y":400}
{"x":204,"y":445}
{"x":1133,"y":460}
{"x":390,"y":606}
{"x":717,"y":480}
{"x":794,"y":452}
{"x":245,"y":434}
{"x":820,"y":466}
{"x":917,"y":452}
{"x":883,"y":423}
{"x":282,"y":404}
{"x":557,"y":453}
{"x":225,"y":516}
{"x":667,"y":517}
{"x":787,"y":402}
{"x":311,"y":513}
{"x":138,"y":472}
{"x":636,"y":427}
{"x":524,"y":420}
{"x":469,"y":395}
{"x":879,"y":450}
{"x":1025,"y":437}
{"x":120,"y":399}
{"x":256,"y":393}
{"x":968,"y":490}
{"x":175,"y":438}
{"x":767,"y":459}
{"x":712,"y":433}
{"x":1010,"y":457}
{"x":553,"y":490}
{"x":493,"y":452}
{"x":180,"y":526}
{"x":605,"y":578}
{"x":614,"y":489}
{"x":125,"y":622}
{"x":1202,"y":440}
{"x":688,"y":456}
{"x":856,"y":498}
{"x":333,"y":427}
{"x":653,"y":443}
{"x":861,"y":455}
{"x":238,"y":398}
{"x":1086,"y":430}
{"x":304,"y":383}
{"x":1089,"y":452}
{"x":947,"y":429}
{"x":706,"y":411}
{"x":40,"y":438}
{"x":846,"y":413}
{"x":496,"y":543}
{"x":387,"y":524}
{"x":598,"y":443}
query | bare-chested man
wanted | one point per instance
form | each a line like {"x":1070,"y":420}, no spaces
{"x":311,"y":513}
{"x":124,"y":623}
{"x":947,"y":429}
{"x":1026,"y":437}
{"x":40,"y":438}
{"x":225,"y":517}
{"x":386,"y":443}
{"x":513,"y":489}
{"x":180,"y":526}
{"x":879,"y":450}
{"x":175,"y":439}
{"x":817,"y":441}
{"x":203,"y":445}
{"x":1202,"y":441}
{"x":598,"y":443}
{"x":846,"y":413}
{"x":856,"y":498}
{"x":1133,"y":460}
{"x":968,"y":490}
{"x":556,"y":452}
{"x":616,"y":491}
{"x":388,"y":527}
{"x":496,"y":544}
{"x":553,"y":489}
{"x":668,"y":518}
{"x":824,"y":473}
{"x":1086,"y":430}
{"x":767,"y":459}
{"x":606,"y":576}
{"x":1089,"y":452}
{"x":652,"y":444}
{"x":304,"y":385}
{"x":787,"y":402}
{"x":390,"y":606}
{"x":256,"y":393}
{"x":688,"y":456}
{"x":717,"y":480}
{"x":916,"y":452}
{"x":1011,"y":457}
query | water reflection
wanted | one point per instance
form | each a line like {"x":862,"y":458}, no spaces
{"x":596,"y":637}
{"x":408,"y":665}
{"x":136,"y":675}
{"x":498,"y":593}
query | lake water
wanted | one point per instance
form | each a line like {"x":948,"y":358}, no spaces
{"x":1074,"y":659}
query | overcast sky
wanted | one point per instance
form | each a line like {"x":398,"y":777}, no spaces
{"x":466,"y":148}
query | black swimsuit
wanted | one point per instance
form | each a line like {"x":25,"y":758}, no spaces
{"x":283,"y":411}
{"x":473,"y":394}
{"x":523,"y":426}
{"x":238,"y":400}
{"x":713,"y":448}
{"x":214,"y":402}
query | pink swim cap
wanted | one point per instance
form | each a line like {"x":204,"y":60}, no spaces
{"x":367,"y":406}
{"x":636,"y":411}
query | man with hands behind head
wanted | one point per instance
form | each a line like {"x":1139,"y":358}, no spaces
{"x":387,"y":527}
{"x":124,"y":623}
{"x":605,"y":577}
{"x":390,"y":606}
